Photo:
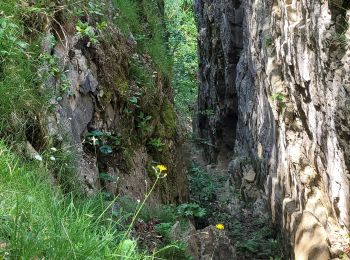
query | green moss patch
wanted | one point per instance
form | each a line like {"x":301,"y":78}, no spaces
{"x":168,"y":117}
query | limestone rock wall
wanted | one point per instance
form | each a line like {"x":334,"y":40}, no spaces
{"x":292,"y":111}
{"x":106,"y":116}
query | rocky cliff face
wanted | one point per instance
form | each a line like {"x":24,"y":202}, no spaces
{"x":275,"y":76}
{"x":220,"y":45}
{"x":112,"y":108}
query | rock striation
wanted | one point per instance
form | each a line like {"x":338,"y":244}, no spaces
{"x":275,"y":77}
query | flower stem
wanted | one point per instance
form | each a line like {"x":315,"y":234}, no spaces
{"x":127,"y":233}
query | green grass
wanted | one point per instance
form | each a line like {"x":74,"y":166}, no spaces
{"x":143,"y":20}
{"x":16,"y":70}
{"x":21,"y":96}
{"x":38,"y":221}
{"x":128,"y":19}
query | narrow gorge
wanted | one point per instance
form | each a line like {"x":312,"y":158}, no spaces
{"x":175,"y":129}
{"x":276,"y":76}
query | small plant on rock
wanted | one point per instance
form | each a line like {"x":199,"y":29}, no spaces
{"x":144,"y":124}
{"x":86,"y":30}
{"x":134,"y":100}
{"x":268,"y":41}
{"x":280,"y":98}
{"x":105,"y":141}
{"x":156,"y":144}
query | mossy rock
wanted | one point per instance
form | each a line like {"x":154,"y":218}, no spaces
{"x":168,"y":117}
{"x":127,"y":157}
{"x":122,"y":87}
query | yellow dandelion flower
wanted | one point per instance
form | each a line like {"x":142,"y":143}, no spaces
{"x":161,"y":167}
{"x":220,"y":226}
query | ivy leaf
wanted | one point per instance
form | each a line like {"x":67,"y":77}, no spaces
{"x":96,"y":133}
{"x":133,"y":100}
{"x":106,"y":149}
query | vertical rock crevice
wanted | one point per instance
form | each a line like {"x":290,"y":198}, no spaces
{"x":220,"y":45}
{"x":278,"y":85}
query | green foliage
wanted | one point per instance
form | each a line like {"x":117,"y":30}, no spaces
{"x":128,"y":19}
{"x":134,"y":100}
{"x":339,"y":11}
{"x":156,"y":43}
{"x":191,"y":210}
{"x":17,"y":84}
{"x":105,"y":141}
{"x":156,"y":144}
{"x":129,"y":247}
{"x":51,"y":68}
{"x":144,"y":124}
{"x":280,"y":98}
{"x":260,"y":243}
{"x":106,"y":149}
{"x":164,"y":229}
{"x":203,"y":186}
{"x":168,"y":117}
{"x":268,"y":41}
{"x":65,"y":84}
{"x":61,"y":163}
{"x":164,"y":213}
{"x":342,"y":39}
{"x":142,"y":75}
{"x":256,"y":238}
{"x":182,"y":30}
{"x":86,"y":30}
{"x":38,"y":221}
{"x":95,"y":7}
{"x":253,"y":237}
{"x":142,"y":20}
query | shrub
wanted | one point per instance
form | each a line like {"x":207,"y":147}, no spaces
{"x":202,"y":185}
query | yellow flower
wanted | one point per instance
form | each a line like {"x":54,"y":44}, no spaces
{"x":220,"y":226}
{"x":161,"y":167}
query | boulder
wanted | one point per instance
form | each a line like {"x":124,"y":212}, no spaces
{"x":210,"y":244}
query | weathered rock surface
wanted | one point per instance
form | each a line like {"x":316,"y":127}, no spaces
{"x":93,"y":95}
{"x":219,"y":54}
{"x":210,"y":244}
{"x":285,"y":106}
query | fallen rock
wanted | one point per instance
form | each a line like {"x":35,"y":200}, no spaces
{"x":250,"y":176}
{"x":210,"y":244}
